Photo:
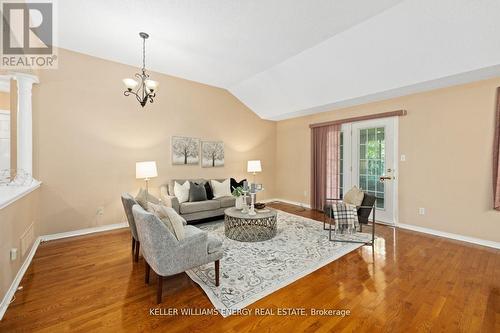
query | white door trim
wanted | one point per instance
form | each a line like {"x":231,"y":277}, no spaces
{"x":396,"y":171}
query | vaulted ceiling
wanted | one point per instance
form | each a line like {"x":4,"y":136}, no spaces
{"x":285,"y":58}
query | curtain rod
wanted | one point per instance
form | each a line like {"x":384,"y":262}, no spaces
{"x":398,"y":113}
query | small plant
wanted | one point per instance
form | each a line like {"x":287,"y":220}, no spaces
{"x":237,"y":191}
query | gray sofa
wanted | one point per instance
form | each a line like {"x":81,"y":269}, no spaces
{"x":192,"y":211}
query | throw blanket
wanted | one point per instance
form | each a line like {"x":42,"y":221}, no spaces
{"x":345,"y":217}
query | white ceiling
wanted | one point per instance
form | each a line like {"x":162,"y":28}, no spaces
{"x":284,"y":58}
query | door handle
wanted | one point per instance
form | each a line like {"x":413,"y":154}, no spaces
{"x":384,"y":178}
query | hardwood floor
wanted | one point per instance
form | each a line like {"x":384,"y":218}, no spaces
{"x":413,"y":282}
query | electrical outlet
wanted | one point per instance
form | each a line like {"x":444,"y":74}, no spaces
{"x":403,"y":158}
{"x":100,"y":211}
{"x":305,"y":193}
{"x":421,"y":211}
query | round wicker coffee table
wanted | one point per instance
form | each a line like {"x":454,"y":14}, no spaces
{"x":250,"y":228}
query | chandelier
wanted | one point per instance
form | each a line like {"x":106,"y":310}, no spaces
{"x":144,"y":89}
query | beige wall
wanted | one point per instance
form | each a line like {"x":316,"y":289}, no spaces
{"x":447,"y":138}
{"x":4,"y":101}
{"x":88,"y":137}
{"x":14,"y":221}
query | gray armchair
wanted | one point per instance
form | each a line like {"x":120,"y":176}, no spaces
{"x":128,"y":202}
{"x":168,"y":256}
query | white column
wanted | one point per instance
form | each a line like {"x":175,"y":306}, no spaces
{"x":24,"y":121}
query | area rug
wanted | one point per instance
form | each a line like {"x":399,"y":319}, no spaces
{"x":251,"y":271}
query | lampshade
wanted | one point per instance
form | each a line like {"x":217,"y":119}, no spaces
{"x":151,"y":85}
{"x":254,"y":166}
{"x":145,"y":170}
{"x":130,"y":83}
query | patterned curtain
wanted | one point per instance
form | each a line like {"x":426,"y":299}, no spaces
{"x":325,"y":151}
{"x":496,"y":157}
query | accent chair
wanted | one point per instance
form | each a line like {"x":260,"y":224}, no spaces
{"x":364,"y":211}
{"x":168,"y":256}
{"x":128,"y":202}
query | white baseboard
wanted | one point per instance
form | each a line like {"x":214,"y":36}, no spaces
{"x":473,"y":240}
{"x":86,"y":231}
{"x":19,"y":276}
{"x":296,"y":203}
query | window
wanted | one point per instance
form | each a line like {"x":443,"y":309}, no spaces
{"x":372,"y":162}
{"x":16,"y":176}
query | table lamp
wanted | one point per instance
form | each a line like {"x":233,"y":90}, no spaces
{"x":146,"y":170}
{"x":254,"y":167}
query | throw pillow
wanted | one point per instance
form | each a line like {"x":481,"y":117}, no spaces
{"x":221,"y":189}
{"x":158,"y":211}
{"x":354,"y":196}
{"x":177,"y":222}
{"x":173,"y":221}
{"x":208,"y":189}
{"x":197,"y":192}
{"x":235,"y":184}
{"x":143,"y":197}
{"x":181,"y":191}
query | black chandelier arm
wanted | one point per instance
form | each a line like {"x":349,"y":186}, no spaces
{"x":130,"y":92}
{"x":143,"y":100}
{"x":151,"y":97}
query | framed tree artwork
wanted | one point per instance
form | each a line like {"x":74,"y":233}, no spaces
{"x":185,"y":151}
{"x":212,"y":154}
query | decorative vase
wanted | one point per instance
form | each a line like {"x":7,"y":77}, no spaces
{"x":239,"y":202}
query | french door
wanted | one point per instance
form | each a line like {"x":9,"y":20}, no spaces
{"x":368,"y":151}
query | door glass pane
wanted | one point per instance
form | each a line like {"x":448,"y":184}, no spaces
{"x":371,"y":135}
{"x":363,"y":167}
{"x":380,"y":187}
{"x":372,"y":162}
{"x":371,"y":183}
{"x":362,"y":151}
{"x":362,"y":182}
{"x":362,"y":137}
